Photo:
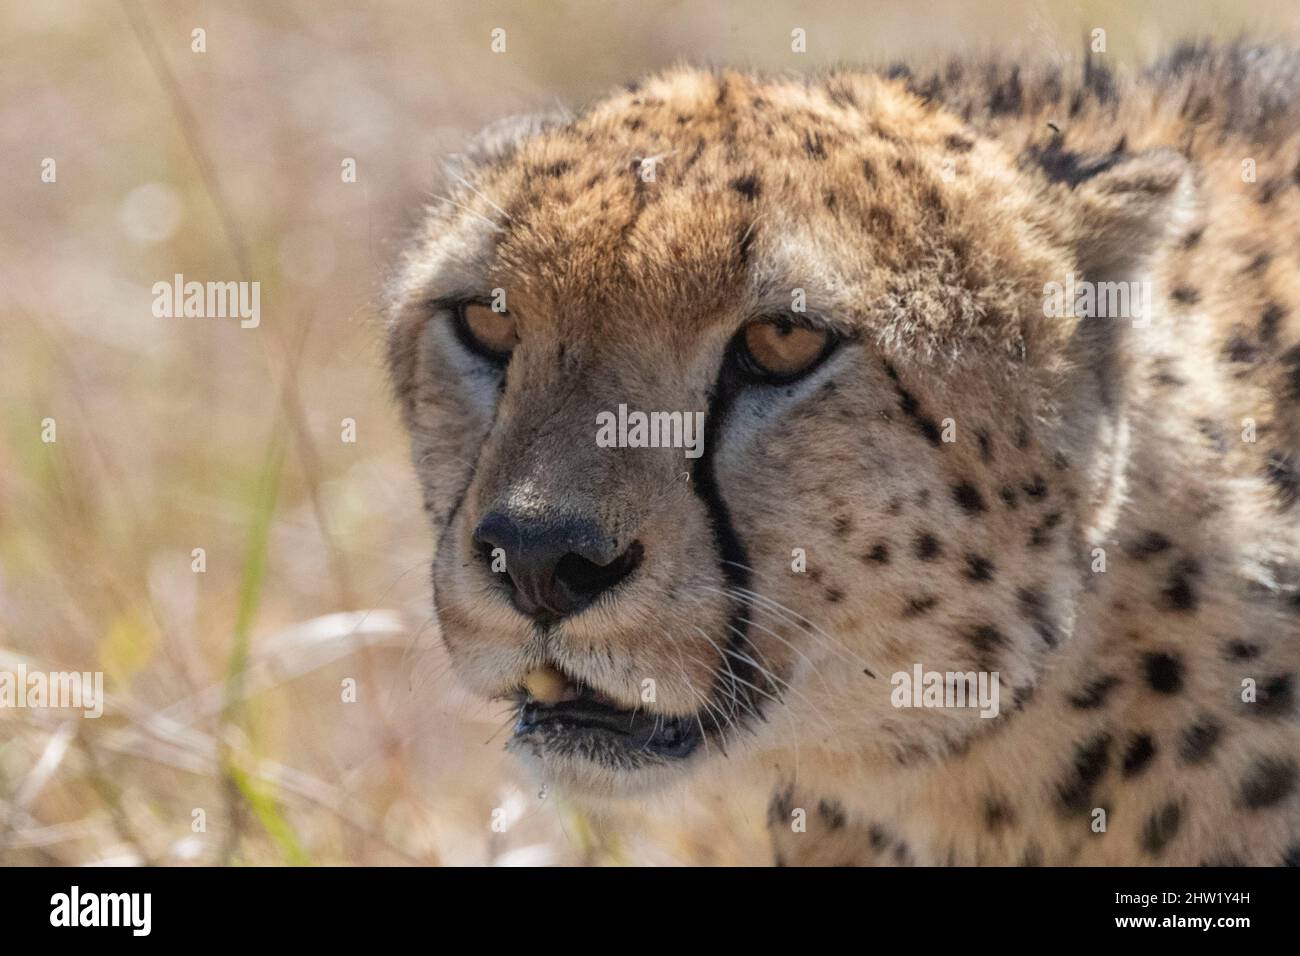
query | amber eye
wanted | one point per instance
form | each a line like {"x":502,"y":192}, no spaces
{"x":490,"y":333}
{"x":781,"y":351}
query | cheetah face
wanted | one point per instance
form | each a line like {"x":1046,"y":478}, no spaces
{"x":827,"y":302}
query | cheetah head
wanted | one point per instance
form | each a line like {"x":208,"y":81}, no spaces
{"x":873,"y":448}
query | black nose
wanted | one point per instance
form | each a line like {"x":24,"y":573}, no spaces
{"x":556,"y":566}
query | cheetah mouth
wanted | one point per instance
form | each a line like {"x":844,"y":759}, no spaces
{"x":584,"y":723}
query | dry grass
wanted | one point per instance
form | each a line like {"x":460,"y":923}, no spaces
{"x":176,"y":434}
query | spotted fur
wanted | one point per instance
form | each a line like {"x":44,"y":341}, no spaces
{"x":975,"y":485}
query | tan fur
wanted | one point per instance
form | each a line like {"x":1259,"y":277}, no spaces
{"x":926,"y":233}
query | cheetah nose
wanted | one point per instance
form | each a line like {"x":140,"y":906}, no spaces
{"x":556,"y":566}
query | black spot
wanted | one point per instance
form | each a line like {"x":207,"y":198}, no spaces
{"x":1164,"y":672}
{"x":1269,"y":321}
{"x":831,"y":812}
{"x":1276,"y":697}
{"x":959,"y":143}
{"x":747,"y":186}
{"x":998,"y":813}
{"x":868,"y":171}
{"x":1292,"y":856}
{"x":1007,"y":96}
{"x":1193,"y":238}
{"x":1284,"y":477}
{"x":1138,"y":755}
{"x":880,"y":220}
{"x":979,"y":569}
{"x":986,"y":637}
{"x":968,"y":498}
{"x":841,"y":96}
{"x":878,"y":836}
{"x":1240,"y":650}
{"x":1034,"y":606}
{"x":1149,"y":543}
{"x":1199,"y":741}
{"x":986,"y":446}
{"x":1093,"y":694}
{"x":1291,"y":360}
{"x":1259,"y":263}
{"x":1269,"y":781}
{"x":1213,"y":434}
{"x":780,"y":806}
{"x":1161,"y":827}
{"x":1040,"y":534}
{"x":1268,"y":190}
{"x":927,"y":546}
{"x":813,"y":146}
{"x":1240,"y":349}
{"x":1033,"y":855}
{"x":1008,"y":496}
{"x":918,"y":606}
{"x":1035,"y":488}
{"x":834,"y":595}
{"x":557,"y":168}
{"x":843,"y":525}
{"x":1091,"y":758}
{"x":879,"y":553}
{"x":1180,"y":593}
{"x":1185,"y":294}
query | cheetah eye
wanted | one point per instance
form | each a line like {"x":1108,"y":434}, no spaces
{"x":492,"y":335}
{"x":777,"y":350}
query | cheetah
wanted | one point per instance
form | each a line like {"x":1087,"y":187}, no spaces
{"x":912,"y":460}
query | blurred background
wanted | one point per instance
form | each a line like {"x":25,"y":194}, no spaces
{"x":281,"y":696}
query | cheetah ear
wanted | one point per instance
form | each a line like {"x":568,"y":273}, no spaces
{"x":1125,"y":207}
{"x":498,"y":140}
{"x":1123,"y":212}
